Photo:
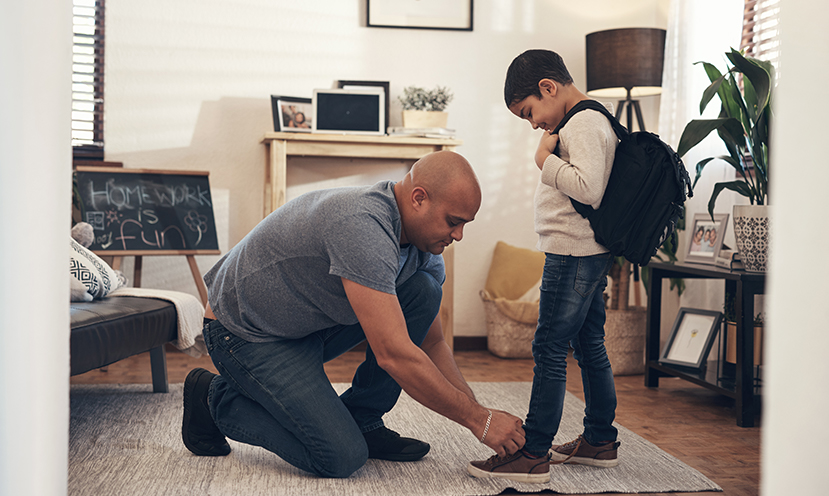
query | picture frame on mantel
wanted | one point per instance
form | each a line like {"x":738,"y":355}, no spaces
{"x":291,"y":114}
{"x":454,"y":15}
{"x":351,"y":84}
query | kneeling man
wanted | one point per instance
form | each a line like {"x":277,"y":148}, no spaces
{"x":318,"y":276}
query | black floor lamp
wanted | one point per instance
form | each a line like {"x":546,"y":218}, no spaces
{"x":625,"y":63}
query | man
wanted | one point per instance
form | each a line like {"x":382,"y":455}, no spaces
{"x":315,"y":278}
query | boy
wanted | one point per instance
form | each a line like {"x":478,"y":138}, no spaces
{"x":539,"y":88}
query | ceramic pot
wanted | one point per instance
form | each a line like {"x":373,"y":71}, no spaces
{"x":731,"y":343}
{"x":424,"y":119}
{"x":751,"y":231}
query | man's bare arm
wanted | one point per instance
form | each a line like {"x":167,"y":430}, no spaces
{"x":437,"y":349}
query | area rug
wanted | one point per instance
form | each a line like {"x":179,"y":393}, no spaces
{"x":126,"y":440}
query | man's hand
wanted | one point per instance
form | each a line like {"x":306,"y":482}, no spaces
{"x":546,"y":147}
{"x":505,"y":434}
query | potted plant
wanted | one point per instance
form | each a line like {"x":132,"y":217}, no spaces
{"x":425,"y":108}
{"x":743,"y":125}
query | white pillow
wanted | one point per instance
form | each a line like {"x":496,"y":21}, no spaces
{"x":77,"y":290}
{"x":532,"y":294}
{"x":94,"y":273}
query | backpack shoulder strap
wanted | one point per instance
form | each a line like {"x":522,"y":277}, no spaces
{"x":618,"y":128}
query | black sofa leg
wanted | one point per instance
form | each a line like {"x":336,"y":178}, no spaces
{"x":158,"y":364}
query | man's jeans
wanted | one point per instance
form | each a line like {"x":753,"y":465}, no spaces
{"x":571,"y":311}
{"x":276,"y":394}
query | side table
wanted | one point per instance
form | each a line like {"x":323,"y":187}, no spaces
{"x":743,"y":285}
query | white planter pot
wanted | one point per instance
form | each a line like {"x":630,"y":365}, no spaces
{"x":424,"y":119}
{"x":751,"y":231}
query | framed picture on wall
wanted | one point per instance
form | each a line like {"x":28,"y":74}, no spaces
{"x":420,"y":14}
{"x":691,"y":338}
{"x":706,"y":238}
{"x":292,"y":114}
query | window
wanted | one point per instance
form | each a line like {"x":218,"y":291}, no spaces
{"x":88,"y":79}
{"x":761,"y":30}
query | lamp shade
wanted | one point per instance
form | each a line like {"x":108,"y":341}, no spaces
{"x":619,"y":60}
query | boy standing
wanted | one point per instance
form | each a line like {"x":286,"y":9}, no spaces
{"x":539,"y":88}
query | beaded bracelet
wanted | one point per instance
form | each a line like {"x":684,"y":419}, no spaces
{"x":486,"y":429}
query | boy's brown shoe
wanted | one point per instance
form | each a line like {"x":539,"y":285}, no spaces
{"x":581,"y":452}
{"x":516,"y":467}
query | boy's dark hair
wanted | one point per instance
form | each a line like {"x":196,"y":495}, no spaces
{"x":527,"y":69}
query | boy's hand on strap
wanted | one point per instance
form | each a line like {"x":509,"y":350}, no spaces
{"x":546,"y":147}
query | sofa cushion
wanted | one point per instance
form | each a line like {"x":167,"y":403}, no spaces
{"x":105,"y":331}
{"x":513,"y":271}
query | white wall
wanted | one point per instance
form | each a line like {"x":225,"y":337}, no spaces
{"x":795,"y":402}
{"x":35,"y":189}
{"x":189,"y":82}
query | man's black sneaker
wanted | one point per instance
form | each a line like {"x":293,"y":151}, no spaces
{"x":385,"y":444}
{"x":198,"y":431}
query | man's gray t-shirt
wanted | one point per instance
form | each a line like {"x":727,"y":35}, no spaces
{"x":283,"y":279}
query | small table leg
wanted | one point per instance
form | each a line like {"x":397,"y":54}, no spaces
{"x":653,"y":325}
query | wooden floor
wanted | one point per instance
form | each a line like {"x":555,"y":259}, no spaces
{"x":689,"y":422}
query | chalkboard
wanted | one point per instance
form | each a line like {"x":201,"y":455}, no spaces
{"x":147,"y":212}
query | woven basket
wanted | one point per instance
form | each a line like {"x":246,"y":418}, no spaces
{"x":507,"y":338}
{"x":625,"y":340}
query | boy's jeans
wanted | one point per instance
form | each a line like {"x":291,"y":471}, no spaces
{"x":276,"y":394}
{"x":571,"y":311}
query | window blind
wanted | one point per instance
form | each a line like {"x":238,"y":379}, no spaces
{"x":88,"y":79}
{"x":760,"y":37}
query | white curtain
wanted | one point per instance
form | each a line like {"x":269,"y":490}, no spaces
{"x":698,"y":30}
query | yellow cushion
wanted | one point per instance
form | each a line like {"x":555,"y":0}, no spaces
{"x":513,"y":271}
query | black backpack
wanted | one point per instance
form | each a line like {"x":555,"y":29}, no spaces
{"x":645,"y":194}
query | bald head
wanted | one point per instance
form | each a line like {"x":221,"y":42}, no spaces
{"x":444,"y":175}
{"x":436,"y":199}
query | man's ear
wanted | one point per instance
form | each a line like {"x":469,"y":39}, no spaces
{"x":548,"y":86}
{"x":419,"y":195}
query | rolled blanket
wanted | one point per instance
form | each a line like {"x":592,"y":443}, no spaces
{"x":190,"y":316}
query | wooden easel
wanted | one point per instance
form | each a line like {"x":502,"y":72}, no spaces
{"x":191,"y":260}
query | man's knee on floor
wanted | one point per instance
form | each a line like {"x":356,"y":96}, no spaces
{"x":343,"y":462}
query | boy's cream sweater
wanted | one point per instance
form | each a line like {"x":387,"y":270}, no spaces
{"x":587,"y":145}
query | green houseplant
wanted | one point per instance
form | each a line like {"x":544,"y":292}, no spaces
{"x":425,"y":108}
{"x":743,"y":126}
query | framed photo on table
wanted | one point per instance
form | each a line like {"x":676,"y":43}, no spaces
{"x":706,"y":238}
{"x":292,"y":114}
{"x":420,"y":14}
{"x":349,"y":84}
{"x":691,"y":338}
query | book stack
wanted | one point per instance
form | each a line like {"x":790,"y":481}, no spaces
{"x":729,"y":259}
{"x":422,"y":132}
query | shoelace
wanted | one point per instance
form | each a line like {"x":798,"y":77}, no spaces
{"x":492,"y":460}
{"x":575,"y":445}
